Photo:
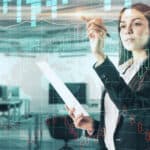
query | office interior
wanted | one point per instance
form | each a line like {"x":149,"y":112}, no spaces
{"x":52,"y":31}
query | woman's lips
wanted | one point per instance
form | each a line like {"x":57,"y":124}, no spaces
{"x":129,"y":39}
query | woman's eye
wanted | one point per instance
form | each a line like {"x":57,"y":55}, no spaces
{"x":137,"y":23}
{"x":122,"y":26}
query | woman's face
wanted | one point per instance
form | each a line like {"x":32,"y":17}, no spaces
{"x":134,"y":30}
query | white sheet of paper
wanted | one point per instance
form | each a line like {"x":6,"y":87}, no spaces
{"x":69,"y":99}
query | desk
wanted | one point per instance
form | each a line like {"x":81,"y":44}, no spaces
{"x":7,"y":105}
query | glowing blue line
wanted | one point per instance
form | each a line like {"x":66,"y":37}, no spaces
{"x":127,"y":3}
{"x":19,"y":11}
{"x":64,"y":2}
{"x":33,"y":20}
{"x":35,"y":9}
{"x":107,"y":5}
{"x":54,"y":2}
{"x":49,"y":3}
{"x":54,"y":8}
{"x":5,"y":6}
{"x":28,"y":1}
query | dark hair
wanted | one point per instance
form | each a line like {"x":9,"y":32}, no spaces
{"x":124,"y":54}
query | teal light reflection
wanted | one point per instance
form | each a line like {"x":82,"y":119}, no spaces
{"x":5,"y":6}
{"x":49,"y":3}
{"x":107,"y":5}
{"x":127,"y":3}
{"x":64,"y":2}
{"x":35,"y":9}
{"x":19,"y":2}
{"x":54,"y":8}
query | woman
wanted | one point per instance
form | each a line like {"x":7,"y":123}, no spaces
{"x":125,"y":107}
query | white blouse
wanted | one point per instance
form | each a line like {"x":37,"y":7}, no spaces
{"x":111,"y":111}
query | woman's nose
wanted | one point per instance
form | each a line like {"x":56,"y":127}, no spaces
{"x":129,"y":29}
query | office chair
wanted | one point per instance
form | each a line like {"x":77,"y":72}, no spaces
{"x":16,"y":111}
{"x":61,"y":127}
{"x":3,"y":109}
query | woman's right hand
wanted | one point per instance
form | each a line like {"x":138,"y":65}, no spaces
{"x":80,"y":121}
{"x":96,"y":32}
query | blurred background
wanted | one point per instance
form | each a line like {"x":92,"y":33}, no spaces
{"x":51,"y":31}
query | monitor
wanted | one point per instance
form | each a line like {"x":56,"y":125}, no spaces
{"x":3,"y":92}
{"x":77,"y":89}
{"x":13,"y":91}
{"x":7,"y":92}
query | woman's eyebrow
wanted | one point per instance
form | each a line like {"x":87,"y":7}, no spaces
{"x":137,"y":19}
{"x":122,"y":21}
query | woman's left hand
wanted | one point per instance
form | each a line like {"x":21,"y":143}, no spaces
{"x":81,"y":121}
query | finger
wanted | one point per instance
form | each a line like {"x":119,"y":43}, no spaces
{"x":96,"y":29}
{"x":97,"y":21}
{"x":89,"y":23}
{"x":77,"y":117}
{"x":98,"y":26}
{"x":86,"y":19}
{"x":101,"y":26}
{"x":71,"y":113}
{"x":78,"y":120}
{"x":67,"y":108}
{"x":93,"y":34}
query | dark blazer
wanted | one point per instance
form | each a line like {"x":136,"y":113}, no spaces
{"x":133,"y":102}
